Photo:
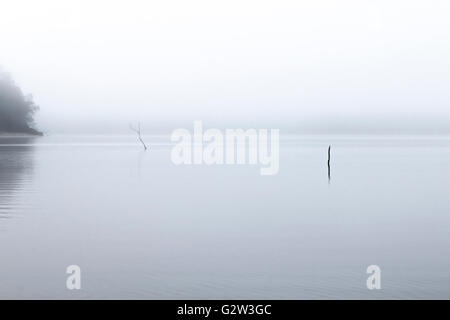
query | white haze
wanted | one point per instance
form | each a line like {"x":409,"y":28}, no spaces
{"x":318,"y":66}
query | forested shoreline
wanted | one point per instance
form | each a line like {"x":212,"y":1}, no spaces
{"x":16,"y":109}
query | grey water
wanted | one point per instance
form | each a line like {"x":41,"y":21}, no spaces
{"x":141,"y":227}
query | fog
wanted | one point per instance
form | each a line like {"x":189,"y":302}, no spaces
{"x":308,"y":66}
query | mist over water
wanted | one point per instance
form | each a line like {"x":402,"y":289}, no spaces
{"x":325,"y":66}
{"x":141,"y":227}
{"x":357,"y":89}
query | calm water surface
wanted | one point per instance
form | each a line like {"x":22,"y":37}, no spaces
{"x":141,"y":227}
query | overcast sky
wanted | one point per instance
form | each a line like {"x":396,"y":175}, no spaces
{"x":318,"y":64}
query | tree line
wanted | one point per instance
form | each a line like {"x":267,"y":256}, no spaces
{"x":16,"y":109}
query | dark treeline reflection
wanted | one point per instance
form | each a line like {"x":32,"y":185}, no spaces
{"x":16,"y":167}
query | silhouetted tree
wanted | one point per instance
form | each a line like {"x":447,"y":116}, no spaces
{"x":16,"y":109}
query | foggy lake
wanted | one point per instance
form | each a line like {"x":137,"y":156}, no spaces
{"x":141,"y":227}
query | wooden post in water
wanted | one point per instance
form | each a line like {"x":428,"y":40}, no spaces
{"x":329,"y":159}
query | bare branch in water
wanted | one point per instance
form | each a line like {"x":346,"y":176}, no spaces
{"x":138,"y":131}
